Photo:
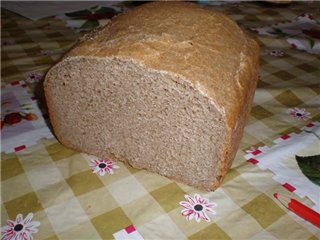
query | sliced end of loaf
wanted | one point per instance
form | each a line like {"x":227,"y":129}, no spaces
{"x":155,"y":120}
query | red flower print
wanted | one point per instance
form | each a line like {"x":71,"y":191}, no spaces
{"x":293,"y":46}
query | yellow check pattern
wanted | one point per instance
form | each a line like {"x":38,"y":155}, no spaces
{"x":70,"y":202}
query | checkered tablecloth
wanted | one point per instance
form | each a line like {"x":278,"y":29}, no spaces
{"x":55,"y":192}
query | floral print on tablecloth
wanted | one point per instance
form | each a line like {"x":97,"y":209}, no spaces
{"x":301,"y":33}
{"x":197,"y":208}
{"x":280,"y":159}
{"x":32,"y":77}
{"x":275,"y":52}
{"x":20,"y":229}
{"x":22,"y":122}
{"x":88,"y":19}
{"x":299,"y":113}
{"x":103,"y":166}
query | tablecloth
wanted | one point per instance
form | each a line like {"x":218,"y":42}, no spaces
{"x":51,"y":192}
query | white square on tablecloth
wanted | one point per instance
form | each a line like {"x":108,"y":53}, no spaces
{"x":127,"y":190}
{"x":61,"y":219}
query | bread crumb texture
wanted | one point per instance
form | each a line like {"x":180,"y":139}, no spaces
{"x":166,"y":87}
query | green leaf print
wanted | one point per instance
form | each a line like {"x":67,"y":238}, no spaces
{"x":310,"y":167}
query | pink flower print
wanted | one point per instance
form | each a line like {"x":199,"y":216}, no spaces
{"x":33,"y":77}
{"x":299,"y":113}
{"x":197,"y":207}
{"x":102,"y":166}
{"x":276,"y":53}
{"x":20,"y":229}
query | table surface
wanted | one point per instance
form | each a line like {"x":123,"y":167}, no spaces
{"x":69,"y":201}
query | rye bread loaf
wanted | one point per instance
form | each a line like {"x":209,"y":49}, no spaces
{"x":166,"y":87}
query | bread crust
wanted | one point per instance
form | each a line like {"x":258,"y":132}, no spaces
{"x":214,"y":54}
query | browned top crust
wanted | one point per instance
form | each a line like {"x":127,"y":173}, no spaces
{"x":203,"y":46}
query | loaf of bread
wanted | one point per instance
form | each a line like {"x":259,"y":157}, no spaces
{"x":166,"y":87}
